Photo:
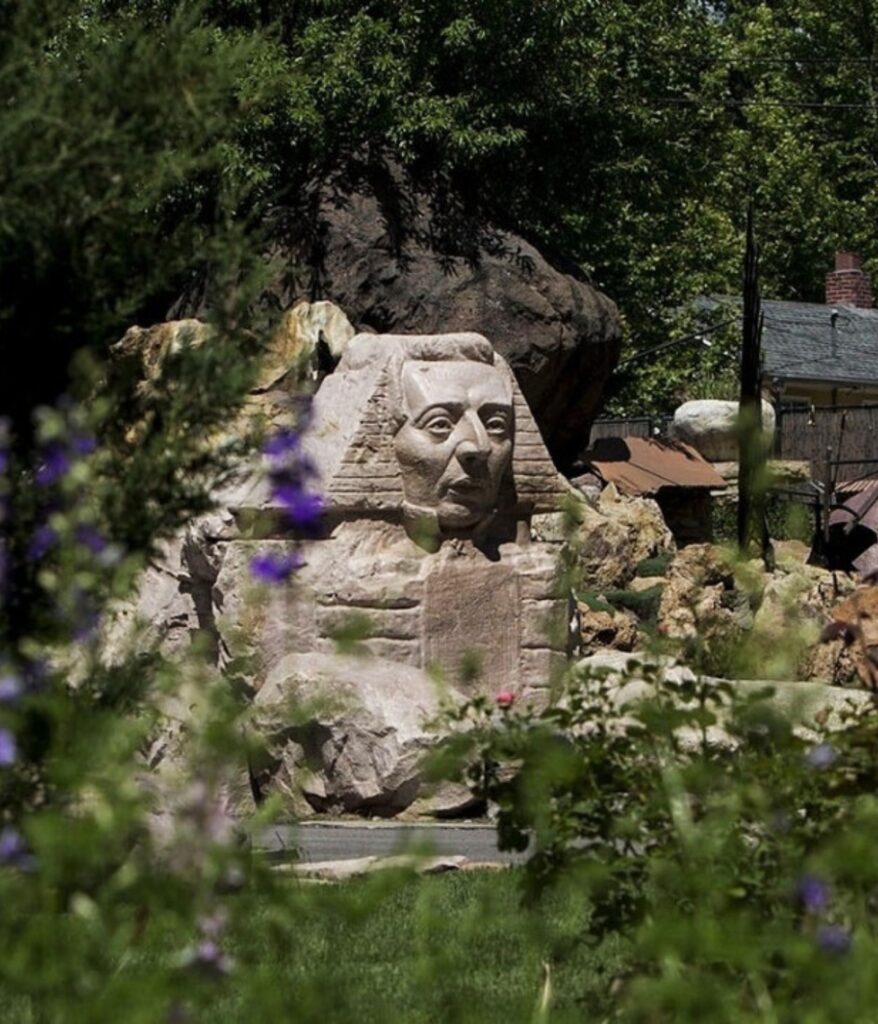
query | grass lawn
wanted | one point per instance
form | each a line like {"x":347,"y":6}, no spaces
{"x":455,"y":947}
{"x":392,"y":947}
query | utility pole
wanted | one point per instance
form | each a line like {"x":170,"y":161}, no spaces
{"x":751,"y":444}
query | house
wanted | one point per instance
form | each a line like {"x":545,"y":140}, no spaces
{"x":820,"y":354}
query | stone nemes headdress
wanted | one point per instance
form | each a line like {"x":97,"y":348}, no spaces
{"x":360,"y":407}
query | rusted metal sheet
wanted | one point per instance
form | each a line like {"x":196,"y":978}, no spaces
{"x":641,"y":465}
{"x":853,"y":529}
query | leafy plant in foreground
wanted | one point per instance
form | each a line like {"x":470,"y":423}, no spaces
{"x":731,"y":848}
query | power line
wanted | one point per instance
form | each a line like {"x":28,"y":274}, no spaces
{"x":677,"y":341}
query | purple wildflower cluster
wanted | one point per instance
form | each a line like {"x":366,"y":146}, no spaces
{"x":291,"y":474}
{"x":813,"y":894}
{"x":821,"y":756}
{"x":207,"y":956}
{"x":57,"y":458}
{"x":833,"y":939}
{"x":14,"y":851}
{"x":65,"y":523}
{"x":8,"y":748}
{"x":271,"y":567}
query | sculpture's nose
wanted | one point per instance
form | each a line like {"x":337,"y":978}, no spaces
{"x":475,"y":447}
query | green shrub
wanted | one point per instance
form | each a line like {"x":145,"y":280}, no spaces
{"x":740,"y":868}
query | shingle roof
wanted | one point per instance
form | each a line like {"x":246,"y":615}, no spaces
{"x":803,"y":341}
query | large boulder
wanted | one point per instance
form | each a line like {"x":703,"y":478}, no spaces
{"x":711,"y":427}
{"x":405,"y":266}
{"x":611,"y":537}
{"x":307,"y":335}
{"x":810,"y":707}
{"x":348,"y":734}
{"x":708,"y":604}
{"x":796,"y":605}
{"x":848,"y":653}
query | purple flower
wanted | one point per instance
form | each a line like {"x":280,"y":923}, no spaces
{"x":4,"y":461}
{"x":8,"y":748}
{"x":211,"y":925}
{"x":281,"y":444}
{"x":83,"y":444}
{"x":10,"y":688}
{"x":824,"y":755}
{"x":56,"y":463}
{"x":13,"y":850}
{"x":208,"y":958}
{"x":813,"y":893}
{"x":90,"y":538}
{"x":44,"y":539}
{"x":303,"y":509}
{"x":269,"y":567}
{"x":35,"y":673}
{"x":833,"y":939}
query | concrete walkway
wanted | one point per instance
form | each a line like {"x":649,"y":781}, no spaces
{"x":335,"y":841}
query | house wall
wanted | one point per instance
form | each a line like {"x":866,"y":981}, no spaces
{"x":821,"y":394}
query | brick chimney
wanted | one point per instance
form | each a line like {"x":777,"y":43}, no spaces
{"x":847,"y":285}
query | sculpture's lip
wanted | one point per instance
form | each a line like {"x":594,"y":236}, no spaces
{"x":466,"y":487}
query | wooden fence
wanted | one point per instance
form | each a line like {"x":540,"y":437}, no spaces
{"x":851,"y":433}
{"x":806,"y":434}
{"x":636,"y":426}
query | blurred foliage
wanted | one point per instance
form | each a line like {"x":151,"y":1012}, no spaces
{"x":788,"y":519}
{"x":703,"y":830}
{"x":627,"y":137}
{"x":154,"y":149}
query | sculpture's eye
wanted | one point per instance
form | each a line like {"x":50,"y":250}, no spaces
{"x":439,"y":425}
{"x":497,"y":425}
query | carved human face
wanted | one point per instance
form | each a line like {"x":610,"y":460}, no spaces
{"x":456,"y":442}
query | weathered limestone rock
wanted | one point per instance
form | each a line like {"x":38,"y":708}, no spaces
{"x":795,"y":607}
{"x":346,"y":732}
{"x":629,"y":678}
{"x":601,"y":630}
{"x":851,"y":658}
{"x":149,"y":347}
{"x":710,"y":426}
{"x":308,"y":341}
{"x":736,"y":617}
{"x":708,"y":601}
{"x":615,"y":535}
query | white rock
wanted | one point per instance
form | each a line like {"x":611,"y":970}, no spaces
{"x":710,"y":426}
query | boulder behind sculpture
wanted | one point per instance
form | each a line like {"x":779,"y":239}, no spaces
{"x":409,"y":264}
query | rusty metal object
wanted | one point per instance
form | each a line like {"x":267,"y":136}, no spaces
{"x":642,"y":466}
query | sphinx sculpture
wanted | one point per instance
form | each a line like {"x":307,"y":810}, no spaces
{"x":432,"y":467}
